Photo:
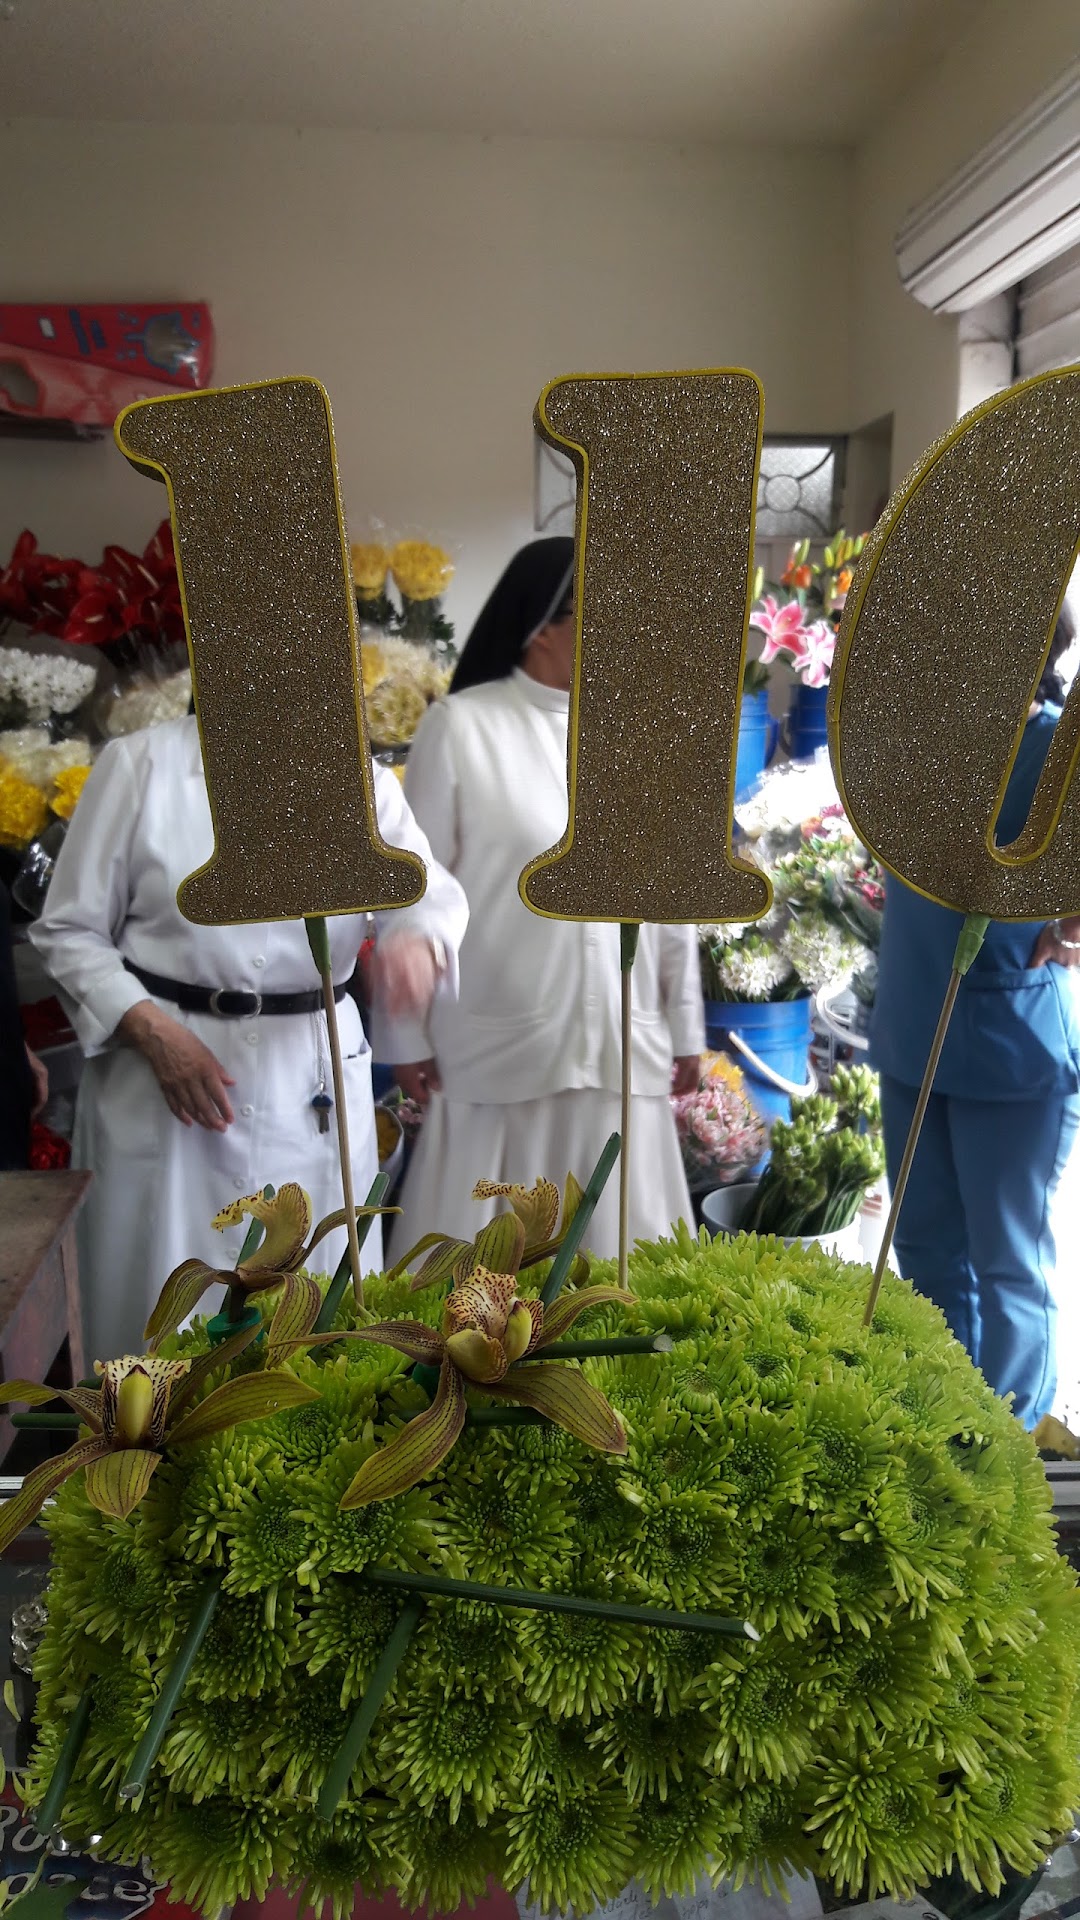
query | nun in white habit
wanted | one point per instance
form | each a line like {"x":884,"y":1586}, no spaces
{"x":207,"y":1062}
{"x":521,"y":1075}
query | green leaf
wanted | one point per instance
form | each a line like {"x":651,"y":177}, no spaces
{"x":564,"y":1395}
{"x":10,"y":1702}
{"x":499,"y":1247}
{"x":442,"y":1263}
{"x":204,"y":1364}
{"x":565,"y":1310}
{"x":416,"y":1450}
{"x":116,"y":1483}
{"x":24,"y":1506}
{"x":410,"y":1337}
{"x":295,"y":1315}
{"x":254,"y":1396}
{"x":180,"y":1295}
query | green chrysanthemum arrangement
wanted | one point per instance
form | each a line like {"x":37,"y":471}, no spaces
{"x":860,"y":1496}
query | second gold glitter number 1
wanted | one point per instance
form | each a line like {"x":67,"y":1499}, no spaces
{"x":667,"y":469}
{"x":262,"y":559}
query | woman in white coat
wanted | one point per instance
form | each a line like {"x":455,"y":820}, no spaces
{"x":205,"y":1047}
{"x":523,"y":1072}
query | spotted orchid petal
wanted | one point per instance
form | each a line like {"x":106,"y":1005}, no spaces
{"x":537,"y":1207}
{"x":83,"y":1400}
{"x":498,"y":1248}
{"x":286,"y":1216}
{"x":135,"y":1395}
{"x":410,"y":1337}
{"x":483,"y":1301}
{"x":295,"y":1314}
{"x":422,"y":1443}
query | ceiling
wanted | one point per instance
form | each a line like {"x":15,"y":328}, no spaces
{"x":767,"y":70}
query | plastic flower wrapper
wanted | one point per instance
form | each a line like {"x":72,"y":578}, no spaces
{"x":421,"y":572}
{"x":820,"y":952}
{"x":370,"y":563}
{"x":772,"y":819}
{"x":36,"y":687}
{"x":753,"y":968}
{"x":401,"y":679}
{"x":859,"y":1494}
{"x":822,"y":1161}
{"x":720,"y":1133}
{"x":147,"y":700}
{"x":31,"y":752}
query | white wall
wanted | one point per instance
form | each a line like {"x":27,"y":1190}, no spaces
{"x":905,"y":359}
{"x":434,"y":284}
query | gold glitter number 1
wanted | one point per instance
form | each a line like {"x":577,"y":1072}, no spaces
{"x":667,"y":477}
{"x":271,"y":622}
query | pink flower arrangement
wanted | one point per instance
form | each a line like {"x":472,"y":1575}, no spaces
{"x":720,"y":1134}
{"x":808,"y":645}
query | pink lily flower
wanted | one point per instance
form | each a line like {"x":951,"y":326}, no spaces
{"x":819,"y":645}
{"x":783,"y":627}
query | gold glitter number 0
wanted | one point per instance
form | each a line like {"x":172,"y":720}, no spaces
{"x":667,"y":477}
{"x":271,"y":622}
{"x":942,"y":643}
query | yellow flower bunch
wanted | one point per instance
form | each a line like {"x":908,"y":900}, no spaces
{"x":395,"y":710}
{"x":421,"y":571}
{"x":67,"y":787}
{"x":372,"y":666}
{"x":370,"y":563}
{"x":718,"y":1066}
{"x":23,"y":810}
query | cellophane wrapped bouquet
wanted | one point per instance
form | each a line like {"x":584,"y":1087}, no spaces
{"x":721,"y":1135}
{"x":406,"y":644}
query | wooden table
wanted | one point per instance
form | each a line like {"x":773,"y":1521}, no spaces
{"x":40,"y":1312}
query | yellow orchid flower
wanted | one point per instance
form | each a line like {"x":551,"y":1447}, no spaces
{"x":511,"y":1241}
{"x":487,"y":1330}
{"x":141,"y":1410}
{"x":284,"y":1249}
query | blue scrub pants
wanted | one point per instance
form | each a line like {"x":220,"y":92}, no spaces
{"x":974,"y":1230}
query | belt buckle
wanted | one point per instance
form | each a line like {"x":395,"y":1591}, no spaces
{"x":242,"y":1013}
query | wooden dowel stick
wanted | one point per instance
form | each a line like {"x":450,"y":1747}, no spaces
{"x":319,"y":943}
{"x":628,"y":940}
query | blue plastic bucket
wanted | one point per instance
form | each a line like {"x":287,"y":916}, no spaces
{"x":758,"y":733}
{"x":778,"y":1031}
{"x":807,"y":727}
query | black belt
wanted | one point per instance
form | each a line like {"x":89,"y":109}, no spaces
{"x":229,"y":1003}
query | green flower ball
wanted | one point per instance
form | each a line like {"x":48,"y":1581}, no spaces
{"x":859,"y":1495}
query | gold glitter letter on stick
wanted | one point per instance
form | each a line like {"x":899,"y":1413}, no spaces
{"x":942,"y":644}
{"x":271,"y":623}
{"x":667,"y":477}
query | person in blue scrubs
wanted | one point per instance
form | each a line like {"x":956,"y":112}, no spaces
{"x":974,"y":1231}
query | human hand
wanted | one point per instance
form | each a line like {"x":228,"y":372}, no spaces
{"x":686,"y":1073}
{"x":40,"y":1074}
{"x":419,"y":1080}
{"x":1058,"y":942}
{"x":192,"y":1078}
{"x":406,"y":971}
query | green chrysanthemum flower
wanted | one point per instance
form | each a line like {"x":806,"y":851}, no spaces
{"x":764,"y":1460}
{"x":387,"y":1532}
{"x":650,"y":1752}
{"x":767,"y":1837}
{"x":268,"y":1538}
{"x":849,"y":1448}
{"x":678,"y":1837}
{"x":763,"y":1708}
{"x":555,"y":1754}
{"x":874,"y":1811}
{"x":442,"y":1862}
{"x":190,"y":1508}
{"x":347,"y":1624}
{"x":505,"y":1526}
{"x":674,"y":1662}
{"x":576,"y":1665}
{"x":332,"y":1861}
{"x":787,"y":1574}
{"x":574,"y":1850}
{"x":251,"y":1642}
{"x":345,"y":1411}
{"x":477,"y":1646}
{"x":309,"y":1725}
{"x":213,"y":1745}
{"x":216,"y":1852}
{"x":452,"y":1748}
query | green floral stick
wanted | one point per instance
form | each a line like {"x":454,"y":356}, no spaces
{"x":171,"y":1688}
{"x":575,"y":1233}
{"x":334,"y":1292}
{"x":52,"y":1805}
{"x":967,"y":946}
{"x":356,"y":1739}
{"x":437,"y":1583}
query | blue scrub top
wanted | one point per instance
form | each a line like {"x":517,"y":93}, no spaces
{"x":1015,"y":1030}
